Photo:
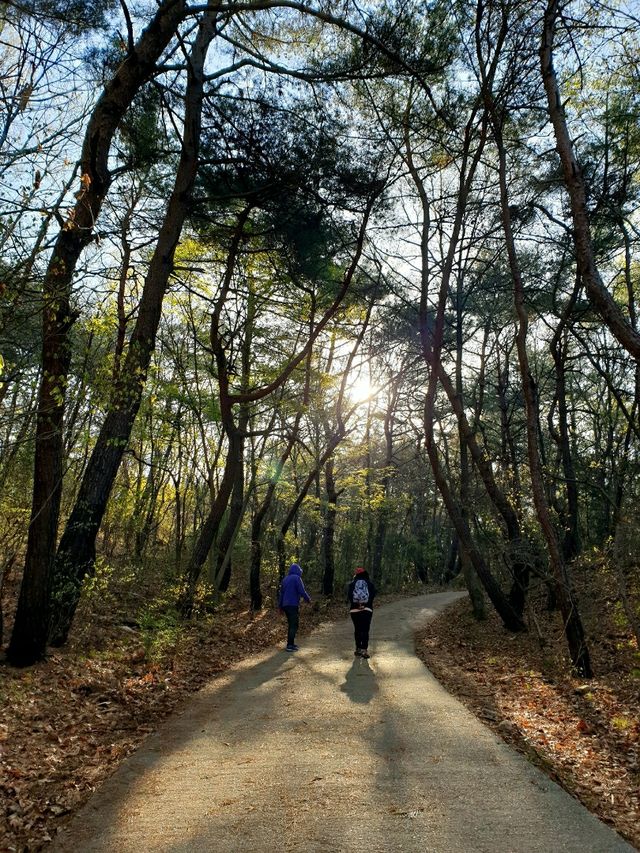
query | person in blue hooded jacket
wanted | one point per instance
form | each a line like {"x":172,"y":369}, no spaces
{"x":291,"y":591}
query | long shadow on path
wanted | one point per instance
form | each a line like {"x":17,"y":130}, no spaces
{"x":318,"y":751}
{"x":360,"y":682}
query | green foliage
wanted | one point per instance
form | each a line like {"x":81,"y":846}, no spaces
{"x":20,"y":332}
{"x":295,"y":165}
{"x":75,"y":16}
{"x":619,"y":617}
{"x":622,"y":723}
{"x":139,"y":132}
{"x":107,"y":586}
{"x":423,"y":552}
{"x":161,"y":631}
{"x":306,"y":153}
{"x":99,"y":583}
{"x":419,"y":38}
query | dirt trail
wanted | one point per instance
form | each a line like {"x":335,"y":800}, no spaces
{"x":319,"y":751}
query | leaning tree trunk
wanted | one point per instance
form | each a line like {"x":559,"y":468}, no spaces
{"x":573,"y":627}
{"x":328,"y":535}
{"x":571,"y":538}
{"x":237,"y":506}
{"x":510,"y":618}
{"x":261,"y":513}
{"x":519,"y":568}
{"x":256,"y":529}
{"x":382,"y":521}
{"x":508,"y":450}
{"x":76,"y":552}
{"x":472,"y":581}
{"x":236,"y":511}
{"x":224,"y":564}
{"x":432,"y":337}
{"x":234,"y":463}
{"x":180,"y":507}
{"x":293,"y":511}
{"x":209,"y":529}
{"x":31,"y":626}
{"x":575,"y":185}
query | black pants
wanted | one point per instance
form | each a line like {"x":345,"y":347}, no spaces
{"x":361,"y":622}
{"x":293,"y":620}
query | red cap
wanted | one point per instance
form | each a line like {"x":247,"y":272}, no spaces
{"x":359,"y":570}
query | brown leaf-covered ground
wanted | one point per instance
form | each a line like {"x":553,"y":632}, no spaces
{"x":66,"y":723}
{"x":585,"y":735}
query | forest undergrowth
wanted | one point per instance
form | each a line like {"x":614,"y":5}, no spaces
{"x":584,"y":734}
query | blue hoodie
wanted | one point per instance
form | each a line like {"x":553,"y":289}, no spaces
{"x":292,"y":589}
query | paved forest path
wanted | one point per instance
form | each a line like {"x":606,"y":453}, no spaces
{"x":321,"y":752}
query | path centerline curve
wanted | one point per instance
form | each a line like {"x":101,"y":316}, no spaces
{"x":319,"y":751}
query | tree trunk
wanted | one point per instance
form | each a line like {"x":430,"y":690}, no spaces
{"x":599,"y":296}
{"x":261,"y":512}
{"x":574,"y":630}
{"x":302,"y":493}
{"x":508,"y":453}
{"x":432,"y":336}
{"x":472,"y":580}
{"x":209,"y":529}
{"x":236,"y":511}
{"x":452,"y":562}
{"x":76,"y":553}
{"x":510,"y":618}
{"x":31,"y":626}
{"x":474,"y":588}
{"x":328,"y":571}
{"x":571,"y":537}
{"x":382,"y":520}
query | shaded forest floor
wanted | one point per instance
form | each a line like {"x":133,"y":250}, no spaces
{"x":66,"y":724}
{"x":584,"y":735}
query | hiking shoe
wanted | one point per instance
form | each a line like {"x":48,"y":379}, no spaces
{"x":364,"y":654}
{"x":358,"y":652}
{"x":292,"y":648}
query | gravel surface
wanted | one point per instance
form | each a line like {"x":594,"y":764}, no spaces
{"x":320,"y":751}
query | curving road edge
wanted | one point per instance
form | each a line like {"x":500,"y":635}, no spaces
{"x":320,"y":751}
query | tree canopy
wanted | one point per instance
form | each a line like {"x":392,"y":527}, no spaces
{"x":311,"y":281}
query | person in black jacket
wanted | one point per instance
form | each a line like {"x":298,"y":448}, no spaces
{"x":360,"y":597}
